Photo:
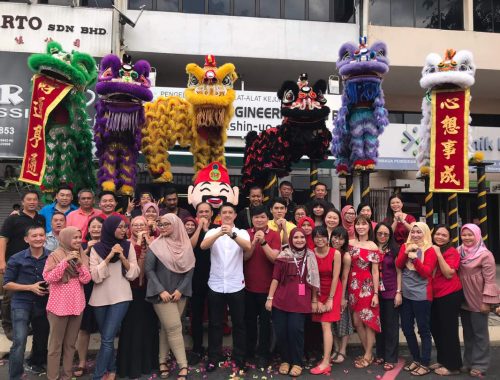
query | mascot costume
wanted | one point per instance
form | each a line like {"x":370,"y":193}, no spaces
{"x":199,"y":121}
{"x":122,"y":87}
{"x":453,"y":72}
{"x":362,"y":117}
{"x":302,"y":132}
{"x":58,"y":147}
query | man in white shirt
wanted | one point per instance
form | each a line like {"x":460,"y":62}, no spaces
{"x":226,"y":284}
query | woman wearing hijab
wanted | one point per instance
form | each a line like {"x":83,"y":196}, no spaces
{"x":307,"y":224}
{"x":66,"y":271}
{"x":151,"y":212}
{"x":169,"y":268}
{"x":138,"y":343}
{"x":348,"y":215}
{"x":292,"y":295}
{"x":478,"y":276}
{"x":113,"y":264}
{"x":417,"y":259}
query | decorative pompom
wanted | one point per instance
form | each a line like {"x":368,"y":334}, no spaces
{"x":478,"y":156}
{"x":425,"y":170}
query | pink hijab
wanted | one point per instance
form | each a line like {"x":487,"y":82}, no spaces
{"x":148,"y":205}
{"x":174,"y":251}
{"x":468,"y":254}
{"x":348,"y":226}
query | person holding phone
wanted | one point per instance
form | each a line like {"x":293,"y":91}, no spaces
{"x":66,"y":271}
{"x":23,"y":277}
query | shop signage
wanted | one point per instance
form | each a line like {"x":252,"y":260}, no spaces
{"x":27,"y":28}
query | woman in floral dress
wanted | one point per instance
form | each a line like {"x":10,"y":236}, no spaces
{"x":363,"y":286}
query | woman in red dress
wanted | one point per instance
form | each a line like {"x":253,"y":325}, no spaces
{"x":328,"y":301}
{"x":363,"y":286}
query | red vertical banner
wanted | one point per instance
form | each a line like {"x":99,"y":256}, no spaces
{"x":47,"y":94}
{"x":449,"y":170}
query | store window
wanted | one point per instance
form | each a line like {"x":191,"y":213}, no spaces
{"x":319,"y":10}
{"x":435,"y":14}
{"x":270,"y":8}
{"x":486,"y":16}
{"x":87,"y":3}
{"x":244,"y":8}
{"x":219,"y":7}
{"x":295,"y":9}
{"x":167,"y":5}
{"x":193,"y":6}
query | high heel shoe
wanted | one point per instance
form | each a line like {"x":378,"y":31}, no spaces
{"x":318,"y":371}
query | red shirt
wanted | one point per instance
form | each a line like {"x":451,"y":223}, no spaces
{"x":441,"y":286}
{"x":258,"y":270}
{"x":401,"y":233}
{"x":80,"y":220}
{"x":286,"y":297}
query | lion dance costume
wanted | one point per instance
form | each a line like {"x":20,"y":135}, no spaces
{"x":123,"y":87}
{"x":59,"y":143}
{"x":455,"y":70}
{"x":302,"y":132}
{"x":362,"y":117}
{"x":199,"y":121}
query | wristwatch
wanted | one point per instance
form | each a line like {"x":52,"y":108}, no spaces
{"x":234,"y":235}
{"x":263,"y":244}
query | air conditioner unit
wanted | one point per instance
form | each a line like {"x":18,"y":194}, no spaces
{"x":408,"y":185}
{"x":495,"y":187}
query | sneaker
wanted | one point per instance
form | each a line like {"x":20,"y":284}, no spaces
{"x":210,"y":366}
{"x":194,"y":358}
{"x":34,"y":369}
{"x":261,"y":363}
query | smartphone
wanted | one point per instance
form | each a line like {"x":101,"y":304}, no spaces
{"x":44,"y":285}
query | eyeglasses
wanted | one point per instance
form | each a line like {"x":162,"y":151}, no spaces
{"x":139,"y":225}
{"x":383,"y":233}
{"x":162,"y":225}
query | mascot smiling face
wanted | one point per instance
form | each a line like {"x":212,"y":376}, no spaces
{"x":212,"y":186}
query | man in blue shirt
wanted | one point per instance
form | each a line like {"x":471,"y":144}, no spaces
{"x":23,"y":277}
{"x":63,"y":204}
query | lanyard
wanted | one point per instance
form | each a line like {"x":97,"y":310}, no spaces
{"x":299,"y":272}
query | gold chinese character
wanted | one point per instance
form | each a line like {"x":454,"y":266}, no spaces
{"x":449,"y":148}
{"x":46,"y":88}
{"x":32,"y":164}
{"x":448,"y":176}
{"x":450,"y":104}
{"x":37,"y":136}
{"x":37,"y":107}
{"x":450,"y":125}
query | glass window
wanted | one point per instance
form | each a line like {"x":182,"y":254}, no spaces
{"x":483,"y":14}
{"x":295,"y":9}
{"x":380,"y":12}
{"x":244,"y":8}
{"x":496,"y":16}
{"x":270,"y":8}
{"x":395,"y":118}
{"x":427,"y":13}
{"x":319,"y":10}
{"x":193,"y":6}
{"x":136,"y":4}
{"x":452,"y":14}
{"x":219,"y":7}
{"x":86,"y":3}
{"x":343,"y":11}
{"x":402,"y":13}
{"x":167,"y":5}
{"x":412,"y":118}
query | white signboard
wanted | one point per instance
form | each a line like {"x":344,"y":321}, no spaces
{"x":27,"y":28}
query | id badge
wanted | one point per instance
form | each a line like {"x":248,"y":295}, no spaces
{"x":302,"y":289}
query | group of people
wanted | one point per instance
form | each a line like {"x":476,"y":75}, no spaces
{"x":277,"y":269}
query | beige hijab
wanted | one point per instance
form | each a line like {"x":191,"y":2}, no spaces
{"x":65,"y":237}
{"x":174,"y":251}
{"x":423,"y":246}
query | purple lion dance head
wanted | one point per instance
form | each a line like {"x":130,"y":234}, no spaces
{"x":362,"y":116}
{"x":122,"y":87}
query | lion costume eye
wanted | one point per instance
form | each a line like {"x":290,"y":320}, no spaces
{"x":227,"y":81}
{"x":346,"y":56}
{"x":289,"y":97}
{"x":193,"y":81}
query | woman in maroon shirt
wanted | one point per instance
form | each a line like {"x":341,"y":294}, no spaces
{"x":448,"y":296}
{"x":292,"y":295}
{"x":398,"y":220}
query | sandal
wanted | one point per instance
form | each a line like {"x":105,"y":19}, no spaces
{"x":388,"y":366}
{"x":164,"y":372}
{"x":334,"y":356}
{"x":379,"y":361}
{"x":362,"y":363}
{"x":422,"y":370}
{"x":183,"y":377}
{"x":411,"y":367}
{"x":337,"y":360}
{"x":443,"y":371}
{"x":474,"y":372}
{"x":435,"y":366}
{"x":284,"y":368}
{"x":296,"y":371}
{"x":79,"y":371}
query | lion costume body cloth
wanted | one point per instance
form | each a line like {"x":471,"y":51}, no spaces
{"x":200,"y":120}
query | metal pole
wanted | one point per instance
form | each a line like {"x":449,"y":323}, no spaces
{"x":313,"y":176}
{"x":429,"y":204}
{"x":270,"y":186}
{"x":453,"y":217}
{"x":349,"y":190}
{"x":365,"y":186}
{"x":482,"y":205}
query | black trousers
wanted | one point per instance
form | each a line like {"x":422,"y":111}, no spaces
{"x":387,"y":342}
{"x":217,"y":303}
{"x":289,"y":329}
{"x":444,"y":328}
{"x":198,"y":298}
{"x":255,"y":310}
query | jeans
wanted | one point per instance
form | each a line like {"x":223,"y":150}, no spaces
{"x":289,"y":329}
{"x":109,"y":319}
{"x":255,"y":309}
{"x":421,"y":312}
{"x":21,"y":319}
{"x":216,"y":307}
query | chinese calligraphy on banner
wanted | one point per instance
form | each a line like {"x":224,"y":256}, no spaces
{"x":47,"y":94}
{"x":449,"y":154}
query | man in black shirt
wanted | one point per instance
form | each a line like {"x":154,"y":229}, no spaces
{"x":12,"y":241}
{"x":286,"y":191}
{"x":320,"y":192}
{"x":256,"y":198}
